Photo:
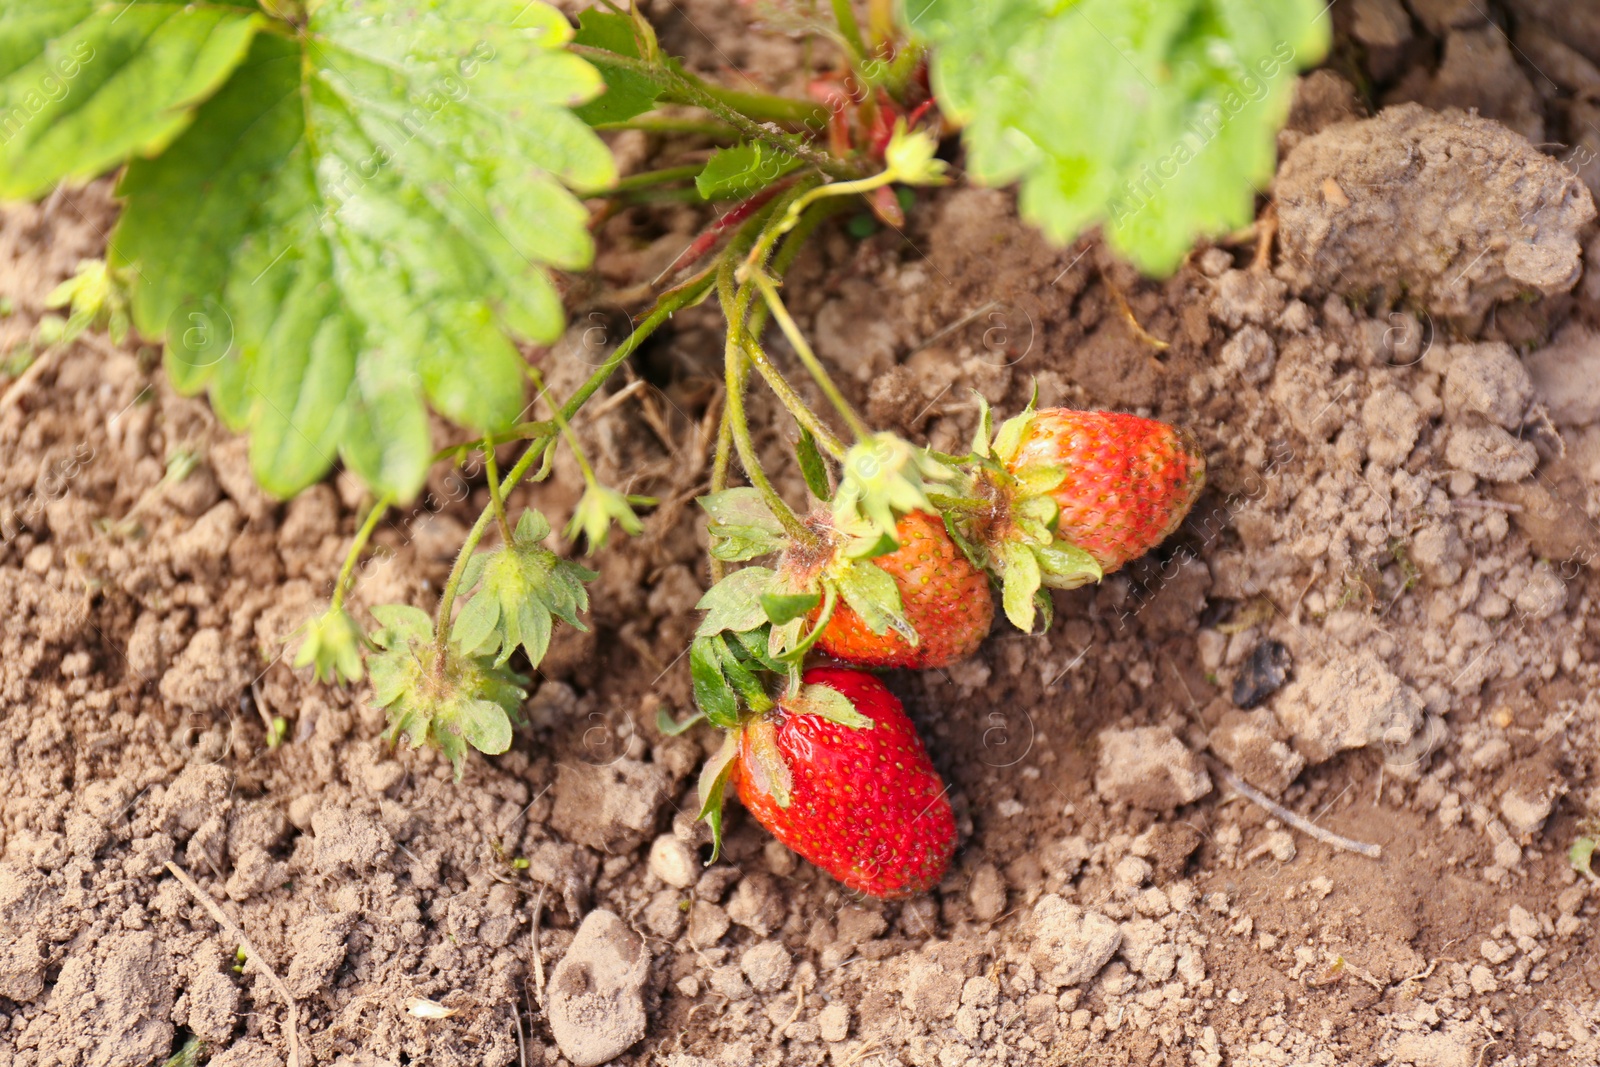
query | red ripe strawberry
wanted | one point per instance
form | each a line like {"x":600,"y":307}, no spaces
{"x":1130,"y":481}
{"x":863,"y":800}
{"x":943,"y":597}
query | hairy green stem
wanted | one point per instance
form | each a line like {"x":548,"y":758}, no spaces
{"x":567,"y":431}
{"x":736,"y":370}
{"x":749,"y":113}
{"x":802,"y":348}
{"x":791,"y":400}
{"x":669,"y":124}
{"x":380,"y":507}
{"x":492,"y":469}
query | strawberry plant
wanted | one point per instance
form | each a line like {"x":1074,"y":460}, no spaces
{"x":342,"y":215}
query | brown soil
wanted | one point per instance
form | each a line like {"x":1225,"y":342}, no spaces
{"x":1434,"y":602}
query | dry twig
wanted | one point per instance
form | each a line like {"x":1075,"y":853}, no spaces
{"x":255,"y":957}
{"x":1299,"y":822}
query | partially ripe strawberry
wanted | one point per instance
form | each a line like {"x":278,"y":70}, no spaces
{"x":847,"y":784}
{"x":1129,"y":480}
{"x":943,"y":598}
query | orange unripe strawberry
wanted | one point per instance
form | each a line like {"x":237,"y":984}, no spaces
{"x":863,"y":802}
{"x":1129,"y":480}
{"x":943,"y":597}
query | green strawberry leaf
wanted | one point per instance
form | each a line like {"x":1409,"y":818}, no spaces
{"x":628,"y":93}
{"x":872,"y":594}
{"x":712,"y":693}
{"x":359,"y":223}
{"x":734,"y":173}
{"x":830,"y":704}
{"x":735,"y":602}
{"x":713,"y":783}
{"x":84,"y":84}
{"x":781,"y":608}
{"x":812,"y":466}
{"x":1154,"y":119}
{"x":1019,"y":583}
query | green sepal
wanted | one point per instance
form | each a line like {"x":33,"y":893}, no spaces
{"x":884,"y":477}
{"x":784,"y":608}
{"x":985,"y":430}
{"x":1018,"y":584}
{"x":1009,"y":440}
{"x":712,"y":693}
{"x":768,"y":770}
{"x":741,"y":526}
{"x":713,"y":783}
{"x":1040,"y":477}
{"x":1063,"y":565}
{"x":738,"y":674}
{"x":872,"y":594}
{"x":735,"y":602}
{"x":671,"y":727}
{"x":870,"y":547}
{"x":813,"y":468}
{"x":830,"y":704}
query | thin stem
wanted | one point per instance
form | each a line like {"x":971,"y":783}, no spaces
{"x":791,"y":400}
{"x":802,"y":348}
{"x":849,"y":31}
{"x":673,"y":299}
{"x":719,"y":475}
{"x":764,"y":107}
{"x":736,"y":372}
{"x":380,"y":507}
{"x":495,"y":499}
{"x":798,"y":206}
{"x":568,"y":433}
{"x":747,"y":117}
{"x":667,"y":124}
{"x":651,"y":178}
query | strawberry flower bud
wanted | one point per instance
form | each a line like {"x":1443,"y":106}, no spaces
{"x":331,"y":646}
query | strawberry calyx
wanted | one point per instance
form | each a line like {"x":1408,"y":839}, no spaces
{"x":813,"y":576}
{"x":1005,"y":518}
{"x":455,"y":702}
